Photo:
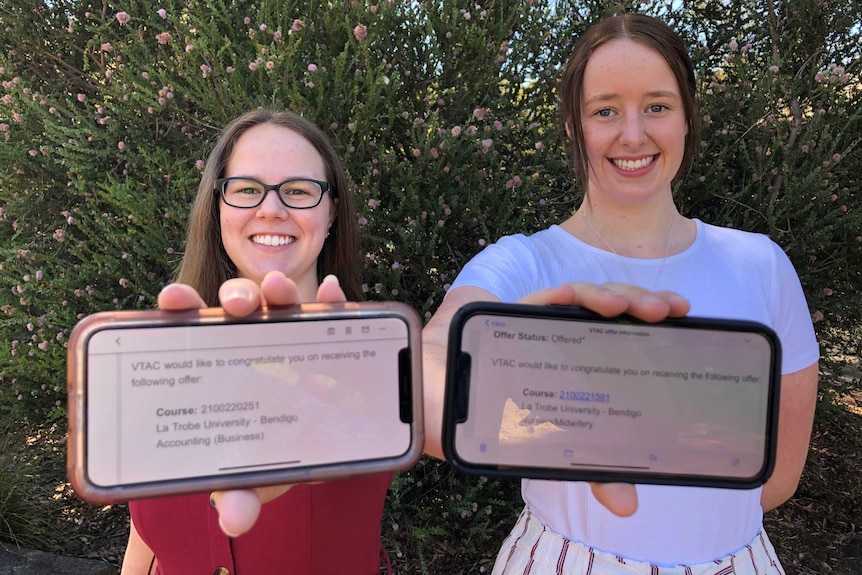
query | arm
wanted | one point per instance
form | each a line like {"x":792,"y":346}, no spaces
{"x":139,"y":559}
{"x":796,"y":415}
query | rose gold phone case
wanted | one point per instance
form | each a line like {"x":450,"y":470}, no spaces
{"x":409,"y":381}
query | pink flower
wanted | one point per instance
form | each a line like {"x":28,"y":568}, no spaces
{"x":372,"y":203}
{"x":773,"y":69}
{"x":312,"y":67}
{"x":262,"y":27}
{"x":121,"y":145}
{"x":163,"y":38}
{"x":487,"y":143}
{"x":81,"y":97}
{"x":360,"y":32}
{"x":252,"y":66}
{"x":229,"y":70}
{"x":162,"y":12}
{"x":106,"y":47}
{"x":297,"y":25}
{"x":270,"y":65}
{"x":416,"y":152}
{"x":456,"y":131}
{"x":479,"y":113}
{"x":277,"y":36}
{"x":123,"y":18}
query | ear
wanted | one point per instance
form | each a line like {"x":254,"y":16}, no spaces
{"x":569,"y":129}
{"x":333,"y":211}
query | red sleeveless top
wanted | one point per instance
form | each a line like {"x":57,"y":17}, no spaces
{"x":331,"y":527}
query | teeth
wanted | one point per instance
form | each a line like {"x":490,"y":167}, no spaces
{"x":269,"y":240}
{"x":634,"y":164}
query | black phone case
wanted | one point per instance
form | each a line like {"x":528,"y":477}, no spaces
{"x":457,"y":393}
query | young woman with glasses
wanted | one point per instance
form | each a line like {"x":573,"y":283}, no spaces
{"x":272,"y":209}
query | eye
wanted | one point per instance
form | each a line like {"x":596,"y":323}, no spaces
{"x":245,"y":191}
{"x":604,"y":113}
{"x":296,"y":191}
{"x":657,"y":108}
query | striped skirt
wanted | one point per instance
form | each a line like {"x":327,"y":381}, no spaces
{"x":533,"y":549}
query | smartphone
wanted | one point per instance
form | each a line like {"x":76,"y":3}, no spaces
{"x":552,"y":392}
{"x":164,"y":403}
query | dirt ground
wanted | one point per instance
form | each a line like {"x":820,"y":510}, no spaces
{"x":819,"y":531}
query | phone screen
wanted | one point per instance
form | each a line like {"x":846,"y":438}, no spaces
{"x":620,"y":398}
{"x":192,"y":401}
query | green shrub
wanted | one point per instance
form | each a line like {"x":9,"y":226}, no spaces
{"x":445,"y":114}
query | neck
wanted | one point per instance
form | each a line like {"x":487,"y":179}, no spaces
{"x":648,"y":233}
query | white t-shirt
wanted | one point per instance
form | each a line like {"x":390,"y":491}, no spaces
{"x":725,"y":273}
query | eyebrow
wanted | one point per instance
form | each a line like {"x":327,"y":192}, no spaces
{"x":653,"y":94}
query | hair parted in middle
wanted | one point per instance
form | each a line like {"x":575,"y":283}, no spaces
{"x":652,"y":33}
{"x":205,"y":264}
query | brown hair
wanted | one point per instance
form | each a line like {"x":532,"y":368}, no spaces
{"x":206,"y":265}
{"x":654,"y":34}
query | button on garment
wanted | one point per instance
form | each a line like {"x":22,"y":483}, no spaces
{"x":222,"y":571}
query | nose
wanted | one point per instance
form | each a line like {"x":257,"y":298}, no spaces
{"x":633,"y":130}
{"x":271,"y":206}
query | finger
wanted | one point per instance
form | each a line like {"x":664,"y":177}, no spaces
{"x":597,"y":298}
{"x":179,"y":297}
{"x":240,"y":296}
{"x":267,"y":494}
{"x":330,"y":290}
{"x":237,"y":510}
{"x":648,"y":305}
{"x":279,"y":290}
{"x":621,"y":499}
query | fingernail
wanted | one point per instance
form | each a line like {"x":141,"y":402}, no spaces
{"x":651,"y":299}
{"x":236,"y":292}
{"x":331,"y":278}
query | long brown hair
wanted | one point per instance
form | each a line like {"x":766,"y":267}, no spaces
{"x":206,"y":265}
{"x":654,"y":34}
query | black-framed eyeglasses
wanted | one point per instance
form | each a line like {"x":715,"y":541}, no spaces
{"x":297,"y":193}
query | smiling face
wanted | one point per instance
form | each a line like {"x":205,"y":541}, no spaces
{"x":273,"y":236}
{"x":634,"y":123}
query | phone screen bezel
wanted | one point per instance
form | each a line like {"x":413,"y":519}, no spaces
{"x":410,"y":398}
{"x":458,"y":388}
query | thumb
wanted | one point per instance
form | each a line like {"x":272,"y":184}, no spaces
{"x":621,"y":499}
{"x":237,"y":510}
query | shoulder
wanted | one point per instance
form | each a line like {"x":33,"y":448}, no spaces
{"x":742,"y":246}
{"x":519,"y":246}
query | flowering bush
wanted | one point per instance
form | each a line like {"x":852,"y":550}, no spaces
{"x":445,"y":114}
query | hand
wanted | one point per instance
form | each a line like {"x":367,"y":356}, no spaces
{"x":239,"y":509}
{"x":609,"y":300}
